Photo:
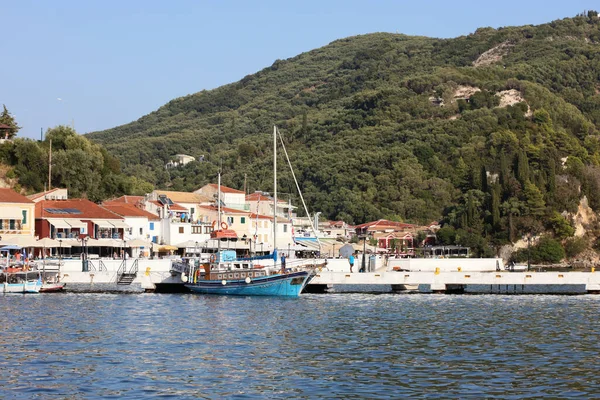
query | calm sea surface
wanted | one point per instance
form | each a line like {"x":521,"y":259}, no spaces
{"x":329,"y":346}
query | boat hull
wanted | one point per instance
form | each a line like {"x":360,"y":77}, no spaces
{"x":22,"y":287}
{"x":273,"y":285}
{"x":52,"y":287}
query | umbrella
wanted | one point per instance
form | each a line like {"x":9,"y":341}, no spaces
{"x":168,"y":247}
{"x":346,"y":250}
{"x":11,"y":247}
{"x":139,"y":243}
{"x":23,"y":241}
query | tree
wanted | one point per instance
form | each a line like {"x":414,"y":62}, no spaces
{"x":560,"y":226}
{"x":536,"y":205}
{"x":7,"y":118}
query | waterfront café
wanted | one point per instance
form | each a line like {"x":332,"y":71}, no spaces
{"x":82,"y":224}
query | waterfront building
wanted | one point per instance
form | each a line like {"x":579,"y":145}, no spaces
{"x":17,"y":215}
{"x":231,"y":198}
{"x":78,"y":219}
{"x":143,"y":225}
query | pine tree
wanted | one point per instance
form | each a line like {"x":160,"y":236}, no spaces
{"x":535,"y":200}
{"x":7,"y":118}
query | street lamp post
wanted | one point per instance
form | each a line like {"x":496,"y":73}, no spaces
{"x":363,"y":266}
{"x":528,"y":252}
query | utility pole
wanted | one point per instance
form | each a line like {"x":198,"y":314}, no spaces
{"x":50,"y":167}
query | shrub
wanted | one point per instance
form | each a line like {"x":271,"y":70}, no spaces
{"x":575,"y":246}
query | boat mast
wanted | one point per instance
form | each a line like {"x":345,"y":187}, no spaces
{"x":274,"y":189}
{"x":219,"y":216}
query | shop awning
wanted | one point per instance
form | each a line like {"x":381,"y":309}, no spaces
{"x":75,"y":223}
{"x":10,"y":213}
{"x":119,"y":224}
{"x":102,"y":223}
{"x":59,"y":223}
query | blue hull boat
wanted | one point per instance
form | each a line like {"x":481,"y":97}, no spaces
{"x":271,"y":285}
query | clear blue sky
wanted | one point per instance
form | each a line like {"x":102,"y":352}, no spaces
{"x":112,"y":62}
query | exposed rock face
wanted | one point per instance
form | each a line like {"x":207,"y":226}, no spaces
{"x":493,"y":55}
{"x":584,"y":218}
{"x":512,"y":97}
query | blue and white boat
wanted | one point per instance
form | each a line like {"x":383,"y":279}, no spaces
{"x":227,"y":275}
{"x":242,"y":277}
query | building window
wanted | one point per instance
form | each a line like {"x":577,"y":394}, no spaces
{"x":192,"y":210}
{"x":284,"y":228}
{"x":229,"y":220}
{"x":151,"y":226}
{"x":24,"y":217}
{"x":141,"y":231}
{"x":1,"y":224}
{"x":181,"y":229}
{"x":243,"y":220}
{"x":11,"y":224}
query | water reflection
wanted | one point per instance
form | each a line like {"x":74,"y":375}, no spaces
{"x":335,"y":346}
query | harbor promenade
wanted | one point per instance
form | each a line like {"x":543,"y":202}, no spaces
{"x":457,"y":281}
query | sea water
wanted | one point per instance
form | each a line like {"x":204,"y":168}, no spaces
{"x":328,"y":346}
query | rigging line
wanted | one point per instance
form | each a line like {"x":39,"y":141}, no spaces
{"x":298,"y":187}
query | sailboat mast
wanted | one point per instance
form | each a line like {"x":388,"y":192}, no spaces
{"x":274,"y":189}
{"x":219,"y":215}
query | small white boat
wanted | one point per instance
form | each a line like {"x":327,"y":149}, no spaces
{"x":19,"y":281}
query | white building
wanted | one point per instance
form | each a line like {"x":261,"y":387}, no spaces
{"x":179,"y":160}
{"x":142,"y":224}
{"x":231,"y":198}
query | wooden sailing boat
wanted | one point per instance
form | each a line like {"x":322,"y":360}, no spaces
{"x":240,"y":276}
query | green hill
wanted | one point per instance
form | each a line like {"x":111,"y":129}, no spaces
{"x":393,"y":126}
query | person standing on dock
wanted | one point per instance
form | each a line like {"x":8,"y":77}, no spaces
{"x":351,"y":261}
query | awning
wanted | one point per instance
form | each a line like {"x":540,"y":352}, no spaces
{"x":11,"y":213}
{"x":59,"y":223}
{"x":119,"y":224}
{"x":75,"y":223}
{"x":102,"y":223}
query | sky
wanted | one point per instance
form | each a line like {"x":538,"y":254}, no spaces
{"x":99,"y":64}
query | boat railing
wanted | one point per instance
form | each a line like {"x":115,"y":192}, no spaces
{"x":101,"y":266}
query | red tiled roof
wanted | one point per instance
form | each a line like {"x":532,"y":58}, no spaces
{"x":10,"y":196}
{"x":259,"y":216}
{"x":127,"y":199}
{"x":225,"y":189}
{"x":129,"y":210}
{"x":4,"y":126}
{"x":224,"y":234}
{"x":156,"y":203}
{"x":384,"y":223}
{"x":177,"y":207}
{"x":88,"y":209}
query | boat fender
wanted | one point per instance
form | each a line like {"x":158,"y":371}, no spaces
{"x":223,"y":282}
{"x":248,"y":280}
{"x":224,"y":225}
{"x":213,"y":258}
{"x":184,"y":278}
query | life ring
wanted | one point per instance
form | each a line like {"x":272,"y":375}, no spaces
{"x":214,"y":223}
{"x":213,"y":258}
{"x":224,"y":225}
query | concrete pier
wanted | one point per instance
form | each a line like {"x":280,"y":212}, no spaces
{"x":459,"y":282}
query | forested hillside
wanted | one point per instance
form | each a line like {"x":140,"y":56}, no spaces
{"x":496,"y":133}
